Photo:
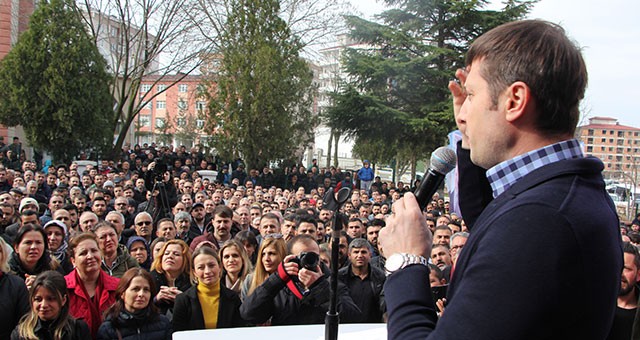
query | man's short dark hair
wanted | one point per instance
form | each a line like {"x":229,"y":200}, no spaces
{"x":442,"y":227}
{"x":629,"y":248}
{"x":539,"y":54}
{"x":290,"y":217}
{"x":271,"y":216}
{"x":356,"y":219}
{"x":439,"y":274}
{"x":377,"y":222}
{"x":306,"y":218}
{"x":634,"y":237}
{"x":223,"y":211}
{"x":162,"y":220}
{"x":302,"y":238}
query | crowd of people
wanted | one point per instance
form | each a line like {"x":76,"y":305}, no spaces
{"x":111,"y":254}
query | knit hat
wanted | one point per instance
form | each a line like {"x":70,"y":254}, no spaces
{"x":28,"y":201}
{"x":56,"y":223}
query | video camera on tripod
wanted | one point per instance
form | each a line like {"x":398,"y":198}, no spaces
{"x":158,"y":205}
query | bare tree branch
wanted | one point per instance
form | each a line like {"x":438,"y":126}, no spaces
{"x":142,"y":38}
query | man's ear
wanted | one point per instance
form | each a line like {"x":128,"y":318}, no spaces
{"x":517,"y":100}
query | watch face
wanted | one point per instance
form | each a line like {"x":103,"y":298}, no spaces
{"x":394,"y":262}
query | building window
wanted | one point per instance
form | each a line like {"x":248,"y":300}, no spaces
{"x":160,"y":123}
{"x":200,"y":123}
{"x":611,"y":140}
{"x":183,"y":88}
{"x":611,"y":132}
{"x":589,"y":140}
{"x":162,"y":87}
{"x":181,"y":122}
{"x":201,"y":105}
{"x":161,"y":104}
{"x":182,"y":105}
{"x":589,"y":148}
{"x":620,"y":133}
{"x":144,"y":120}
{"x":590,"y":132}
{"x":635,"y":134}
{"x":602,"y":148}
{"x":148,"y":105}
{"x":604,"y":132}
{"x":145,"y":88}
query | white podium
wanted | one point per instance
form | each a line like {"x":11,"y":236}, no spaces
{"x":372,"y":331}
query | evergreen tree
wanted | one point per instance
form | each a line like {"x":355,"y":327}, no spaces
{"x":398,"y":92}
{"x":55,"y":84}
{"x":262,"y":103}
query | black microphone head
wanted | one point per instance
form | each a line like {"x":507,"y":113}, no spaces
{"x":443,"y":160}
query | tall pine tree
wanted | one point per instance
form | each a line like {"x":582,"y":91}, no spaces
{"x":55,"y":85}
{"x":398,"y":92}
{"x":261,"y":107}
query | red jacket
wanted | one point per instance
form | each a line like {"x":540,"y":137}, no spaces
{"x":79,"y":301}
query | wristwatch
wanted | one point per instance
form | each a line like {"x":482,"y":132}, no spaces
{"x":398,"y":261}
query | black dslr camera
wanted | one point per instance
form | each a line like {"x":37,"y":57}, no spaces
{"x":162,"y":165}
{"x":307,"y":260}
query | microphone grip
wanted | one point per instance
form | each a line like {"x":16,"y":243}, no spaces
{"x":429,"y":185}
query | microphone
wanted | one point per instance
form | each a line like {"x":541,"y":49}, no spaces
{"x":443,"y":160}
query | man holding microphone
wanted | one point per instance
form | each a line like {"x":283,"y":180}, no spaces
{"x":543,"y":260}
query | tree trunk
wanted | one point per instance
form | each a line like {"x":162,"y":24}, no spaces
{"x":329,"y":148}
{"x":414,"y":162}
{"x":335,"y":148}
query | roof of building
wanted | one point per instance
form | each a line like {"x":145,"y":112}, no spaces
{"x":609,"y":127}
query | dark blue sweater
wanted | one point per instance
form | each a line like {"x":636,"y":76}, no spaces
{"x":542,"y":262}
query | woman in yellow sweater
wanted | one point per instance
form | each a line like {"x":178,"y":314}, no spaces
{"x":207,"y":304}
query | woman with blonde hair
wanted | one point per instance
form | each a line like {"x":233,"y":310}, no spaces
{"x":171,"y":272}
{"x":235,"y":265}
{"x":49,"y":317}
{"x":272,"y":251}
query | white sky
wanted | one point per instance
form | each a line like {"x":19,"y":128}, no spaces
{"x":608,"y":32}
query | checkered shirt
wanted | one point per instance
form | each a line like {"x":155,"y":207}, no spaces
{"x":504,"y":175}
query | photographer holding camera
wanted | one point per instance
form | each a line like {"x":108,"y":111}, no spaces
{"x":298,"y":292}
{"x":159,"y":181}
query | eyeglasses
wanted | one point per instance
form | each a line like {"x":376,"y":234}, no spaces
{"x":143,"y":223}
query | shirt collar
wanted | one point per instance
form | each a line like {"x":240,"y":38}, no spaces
{"x":505,"y":174}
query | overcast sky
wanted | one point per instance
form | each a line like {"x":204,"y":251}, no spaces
{"x":609,"y":33}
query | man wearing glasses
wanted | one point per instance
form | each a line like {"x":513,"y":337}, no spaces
{"x":144,"y":226}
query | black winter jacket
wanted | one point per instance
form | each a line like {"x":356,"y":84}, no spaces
{"x":136,"y":327}
{"x":14,"y":303}
{"x":273,"y":299}
{"x":376,"y":279}
{"x":79,"y":331}
{"x":187,"y":311}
